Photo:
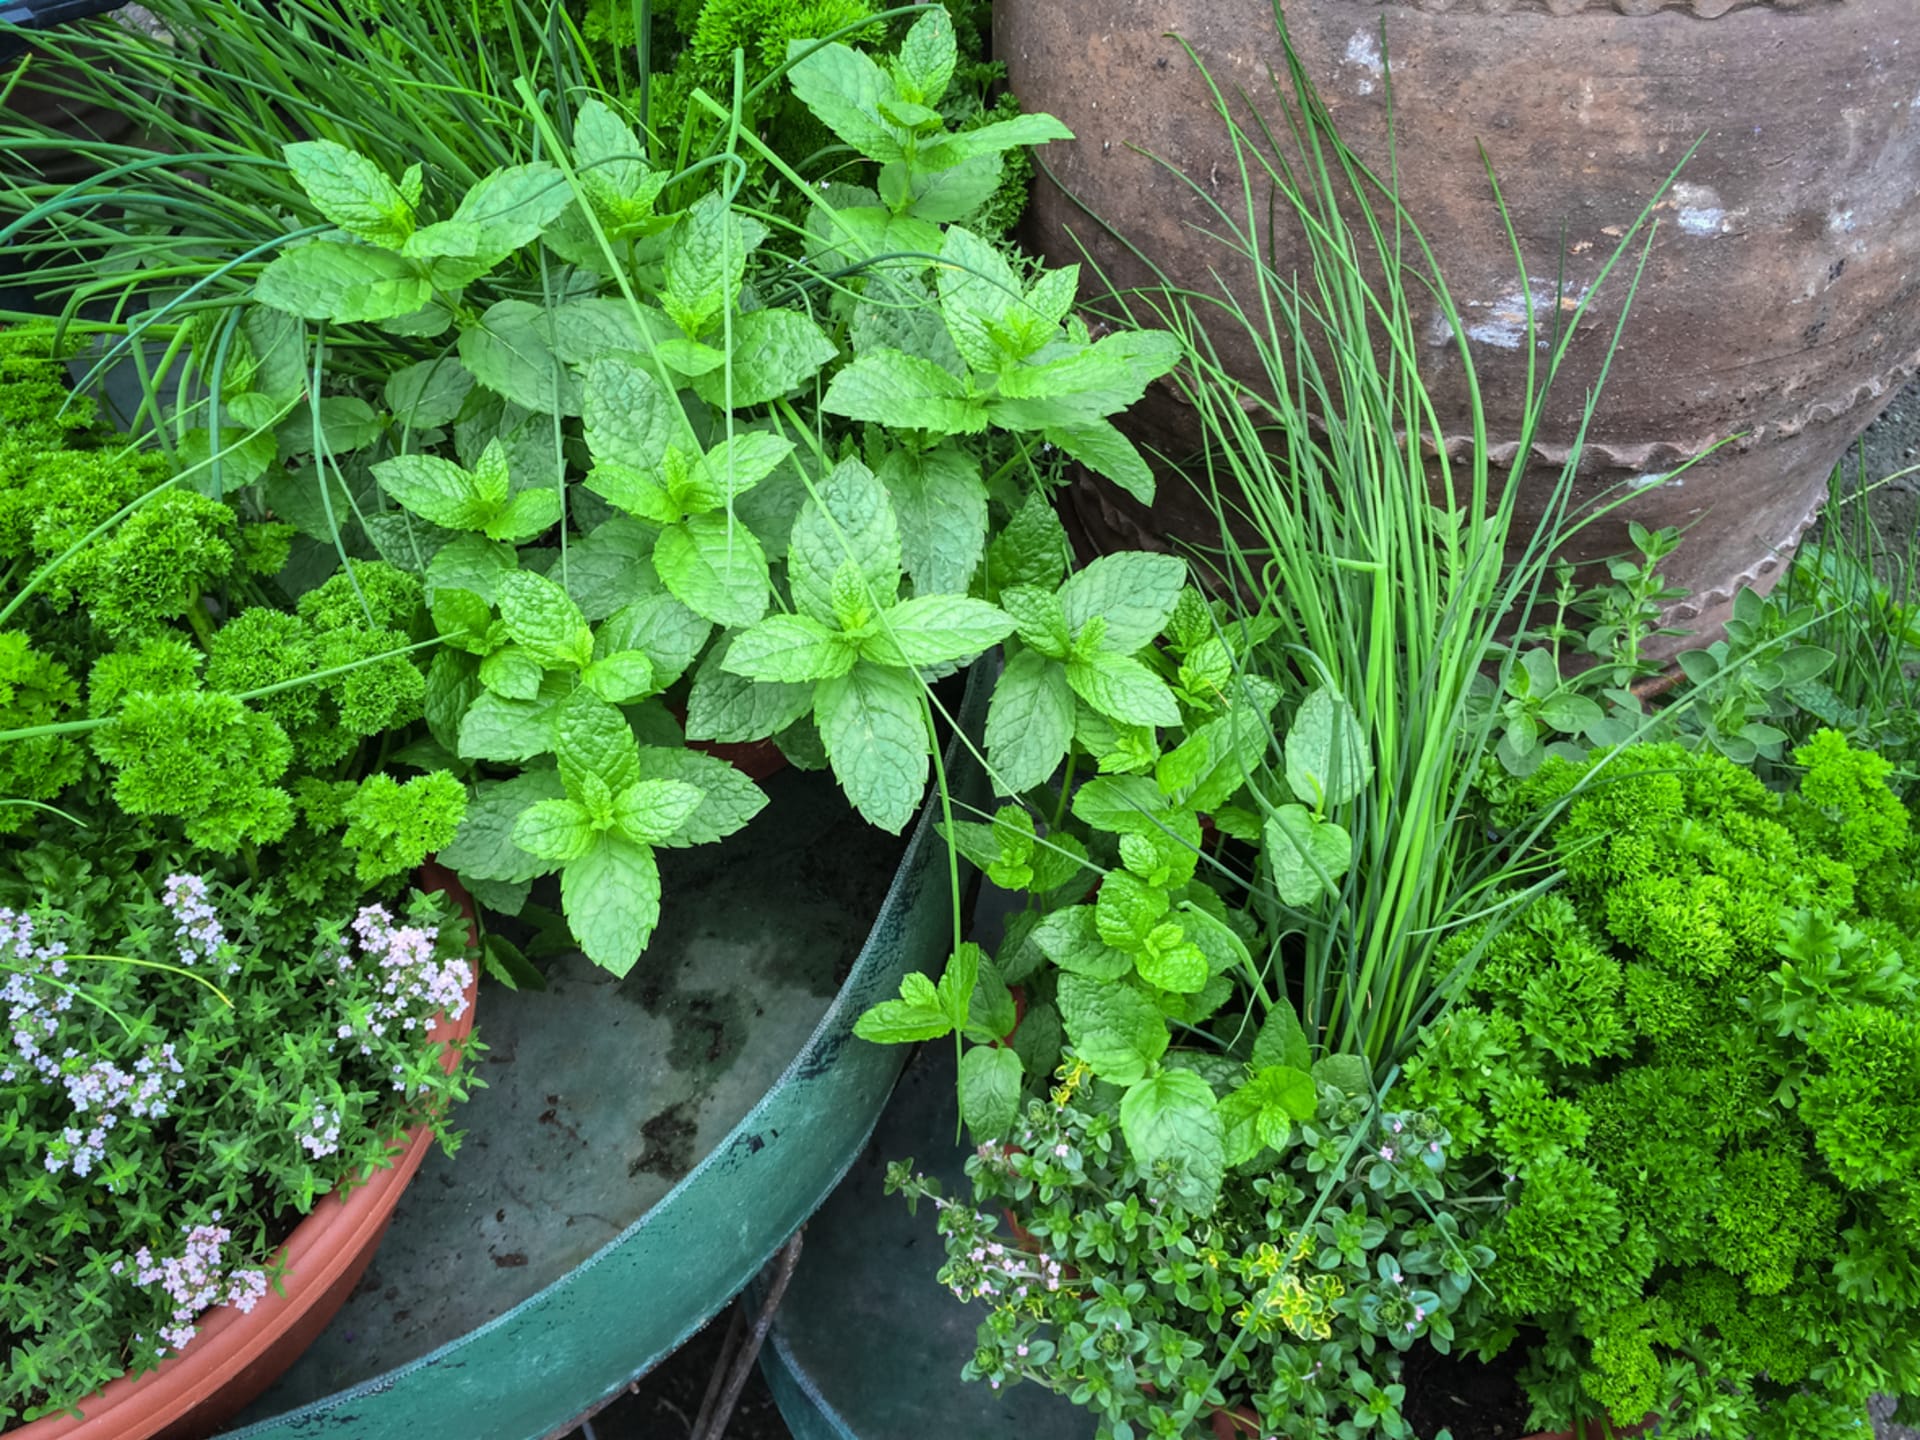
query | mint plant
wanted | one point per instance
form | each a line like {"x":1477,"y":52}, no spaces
{"x":660,"y":467}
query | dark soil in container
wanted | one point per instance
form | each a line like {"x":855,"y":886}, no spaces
{"x":1477,"y":1401}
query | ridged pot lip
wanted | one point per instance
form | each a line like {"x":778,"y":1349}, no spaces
{"x":323,"y":1247}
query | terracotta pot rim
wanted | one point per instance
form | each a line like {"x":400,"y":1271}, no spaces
{"x":323,"y":1247}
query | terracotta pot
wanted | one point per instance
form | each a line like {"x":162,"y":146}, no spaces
{"x":1781,"y":300}
{"x":236,"y":1356}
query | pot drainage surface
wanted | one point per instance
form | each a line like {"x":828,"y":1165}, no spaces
{"x":602,"y":1094}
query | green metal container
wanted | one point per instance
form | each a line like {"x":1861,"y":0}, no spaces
{"x":645,"y":1145}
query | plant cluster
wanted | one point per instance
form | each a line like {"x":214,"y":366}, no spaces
{"x":1297,"y":1295}
{"x":1695,"y":1063}
{"x":686,"y":476}
{"x":188,"y":1064}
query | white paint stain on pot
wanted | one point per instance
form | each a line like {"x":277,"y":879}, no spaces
{"x":1363,"y":50}
{"x":1502,"y":323}
{"x":1649,"y":479}
{"x":1698,"y":210}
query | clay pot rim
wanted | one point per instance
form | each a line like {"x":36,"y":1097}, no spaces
{"x":322,"y":1247}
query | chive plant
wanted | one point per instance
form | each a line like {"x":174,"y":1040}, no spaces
{"x":1391,"y":558}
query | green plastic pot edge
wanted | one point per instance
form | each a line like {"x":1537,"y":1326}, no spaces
{"x":589,"y":1334}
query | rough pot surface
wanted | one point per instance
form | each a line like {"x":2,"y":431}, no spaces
{"x":1780,"y":308}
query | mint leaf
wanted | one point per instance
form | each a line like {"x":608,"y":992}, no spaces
{"x":351,"y":191}
{"x":1032,"y":549}
{"x":641,"y":493}
{"x":627,"y":415}
{"x":1283,"y":1041}
{"x":728,"y":798}
{"x":790,"y":649}
{"x":620,"y":678}
{"x":1029,"y":722}
{"x":452,"y":684}
{"x":732,"y":468}
{"x":513,"y":673}
{"x":1087,"y":385}
{"x":483,"y":848}
{"x":541,"y":617}
{"x":1070,"y":938}
{"x":1012,"y":134}
{"x":611,"y":163}
{"x":530,"y":513}
{"x":732,"y":708}
{"x":332,"y":280}
{"x":774,"y":352}
{"x":844,"y":88}
{"x":462,"y":619}
{"x":1040,"y":619}
{"x":940,"y":500}
{"x":509,"y":731}
{"x":659,"y":627}
{"x":713,"y":565}
{"x":891,"y":387}
{"x":1113,"y":1026}
{"x":851,"y":519}
{"x":989,"y":1087}
{"x":611,"y":896}
{"x":441,"y":492}
{"x":468,"y":562}
{"x":650,"y":811}
{"x":917,"y":1015}
{"x":1133,"y":592}
{"x":876,"y":739}
{"x":706,"y":262}
{"x":555,"y":831}
{"x":509,"y":351}
{"x":607,"y":569}
{"x":502,"y":213}
{"x":1261,"y":1112}
{"x":951,"y":193}
{"x":1327,"y":760}
{"x":935,"y":629}
{"x":978,"y":290}
{"x":1301,"y":850}
{"x":592,"y":738}
{"x":599,"y":327}
{"x":1171,"y":1120}
{"x":1123,"y":689}
{"x":924,"y":67}
{"x":1105,"y":451}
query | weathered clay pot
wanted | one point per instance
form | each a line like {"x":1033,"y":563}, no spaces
{"x":1781,"y":303}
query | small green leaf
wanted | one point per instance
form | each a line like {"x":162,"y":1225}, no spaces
{"x":1122,"y":689}
{"x":1133,"y":592}
{"x":592,"y":738}
{"x":1114,"y":1027}
{"x":1029,"y":722}
{"x":940,"y":499}
{"x":351,"y":191}
{"x":714,"y":566}
{"x":1283,"y":1039}
{"x":790,"y":649}
{"x":927,"y":57}
{"x":774,"y":353}
{"x":1306,"y":854}
{"x":620,"y":678}
{"x":1105,"y":451}
{"x":332,"y":280}
{"x":894,"y":388}
{"x":543,"y":618}
{"x":978,"y":290}
{"x":917,"y":1015}
{"x":554,"y":830}
{"x":429,"y":394}
{"x":935,"y":629}
{"x":851,"y":520}
{"x":483,"y":848}
{"x":1171,"y":1120}
{"x":1327,"y":760}
{"x":652,"y":810}
{"x":510,"y":351}
{"x":530,"y":513}
{"x":876,"y":739}
{"x":706,"y":261}
{"x":733,"y":708}
{"x":1070,"y":938}
{"x":611,"y":896}
{"x":843,"y":88}
{"x":728,"y":798}
{"x":513,"y":673}
{"x":989,"y":1090}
